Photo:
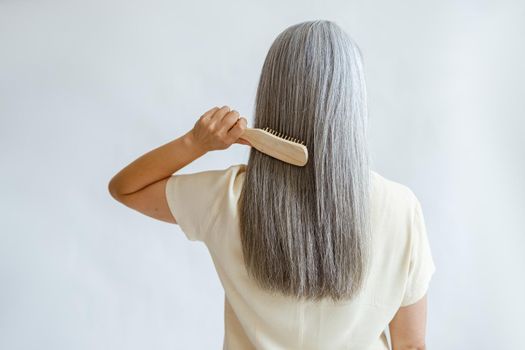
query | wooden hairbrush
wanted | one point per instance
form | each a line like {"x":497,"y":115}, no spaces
{"x":277,"y":145}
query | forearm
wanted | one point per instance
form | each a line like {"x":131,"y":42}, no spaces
{"x":157,"y":164}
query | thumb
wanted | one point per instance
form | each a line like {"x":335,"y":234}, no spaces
{"x":242,"y":141}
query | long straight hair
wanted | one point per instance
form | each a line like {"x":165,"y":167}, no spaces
{"x":305,"y":230}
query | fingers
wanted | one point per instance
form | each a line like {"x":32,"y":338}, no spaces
{"x":210,"y":112}
{"x":242,"y":141}
{"x":237,"y":130}
{"x":224,"y":119}
{"x":229,"y":120}
{"x":226,"y":124}
{"x":219,"y":114}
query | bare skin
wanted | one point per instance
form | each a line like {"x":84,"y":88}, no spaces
{"x":407,"y":328}
{"x":141,"y":184}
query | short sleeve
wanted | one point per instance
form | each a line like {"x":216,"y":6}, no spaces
{"x":421,"y":267}
{"x":196,"y":199}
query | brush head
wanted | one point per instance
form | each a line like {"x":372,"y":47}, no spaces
{"x":277,"y":145}
{"x":283,"y":136}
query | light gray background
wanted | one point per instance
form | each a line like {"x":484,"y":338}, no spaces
{"x":87,"y":87}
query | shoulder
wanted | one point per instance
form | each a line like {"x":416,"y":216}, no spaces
{"x":235,"y":173}
{"x":391,"y":187}
{"x":391,"y":195}
{"x":215,"y":184}
{"x":236,"y":169}
{"x":228,"y":181}
{"x":218,"y":176}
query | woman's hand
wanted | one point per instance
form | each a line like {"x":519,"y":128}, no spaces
{"x":218,"y":129}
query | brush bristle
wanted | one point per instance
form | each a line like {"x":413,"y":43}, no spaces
{"x":283,"y":136}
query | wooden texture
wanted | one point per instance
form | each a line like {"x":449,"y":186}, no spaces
{"x":277,"y":147}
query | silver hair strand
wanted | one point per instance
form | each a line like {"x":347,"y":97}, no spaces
{"x":305,"y":230}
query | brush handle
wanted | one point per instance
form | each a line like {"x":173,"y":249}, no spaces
{"x":276,"y":147}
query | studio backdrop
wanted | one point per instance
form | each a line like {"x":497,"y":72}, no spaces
{"x":88,"y":86}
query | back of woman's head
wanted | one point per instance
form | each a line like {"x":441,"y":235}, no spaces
{"x":305,"y":230}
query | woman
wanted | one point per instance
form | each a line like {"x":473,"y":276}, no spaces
{"x":324,"y":256}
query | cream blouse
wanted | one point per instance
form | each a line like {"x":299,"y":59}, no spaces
{"x":205,"y":207}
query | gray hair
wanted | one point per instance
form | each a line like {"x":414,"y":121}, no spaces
{"x":305,"y":230}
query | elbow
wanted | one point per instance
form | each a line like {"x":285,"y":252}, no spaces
{"x":408,"y":346}
{"x":112,"y":189}
{"x":413,"y":347}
